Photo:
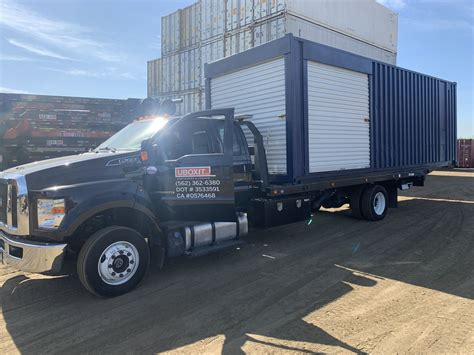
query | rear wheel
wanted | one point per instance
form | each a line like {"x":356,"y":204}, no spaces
{"x":374,"y":203}
{"x":113,"y":261}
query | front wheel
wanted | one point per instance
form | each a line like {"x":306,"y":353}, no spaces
{"x":113,"y":261}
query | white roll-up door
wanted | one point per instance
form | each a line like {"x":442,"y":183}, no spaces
{"x":258,"y":91}
{"x":338,"y":118}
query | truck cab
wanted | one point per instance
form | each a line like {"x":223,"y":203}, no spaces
{"x":199,"y":169}
{"x":159,"y":188}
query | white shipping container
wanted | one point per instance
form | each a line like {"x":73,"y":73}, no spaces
{"x":210,"y":52}
{"x":190,"y":20}
{"x":232,"y":26}
{"x":316,"y":33}
{"x":171,"y":73}
{"x":171,"y":33}
{"x":190,"y":69}
{"x":191,"y":100}
{"x":239,"y":14}
{"x":191,"y":64}
{"x":237,"y":42}
{"x":264,"y":8}
{"x":154,"y":78}
{"x":269,"y":30}
{"x":365,"y":20}
{"x":213,"y":18}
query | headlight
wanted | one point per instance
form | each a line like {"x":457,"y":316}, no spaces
{"x":50,"y":213}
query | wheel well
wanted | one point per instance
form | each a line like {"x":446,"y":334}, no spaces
{"x":123,"y":216}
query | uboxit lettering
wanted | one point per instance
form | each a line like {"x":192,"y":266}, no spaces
{"x":200,"y":171}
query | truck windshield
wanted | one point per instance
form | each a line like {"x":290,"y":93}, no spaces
{"x":132,"y":136}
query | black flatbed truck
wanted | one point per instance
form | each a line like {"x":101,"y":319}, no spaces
{"x":163,"y":188}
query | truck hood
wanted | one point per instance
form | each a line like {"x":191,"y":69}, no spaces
{"x":76,"y":169}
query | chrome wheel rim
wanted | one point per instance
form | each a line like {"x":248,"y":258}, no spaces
{"x":118,"y":263}
{"x":379,"y":203}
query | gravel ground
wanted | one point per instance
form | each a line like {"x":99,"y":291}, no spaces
{"x":335,"y":285}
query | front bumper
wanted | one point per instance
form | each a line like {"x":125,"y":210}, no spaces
{"x":29,"y":256}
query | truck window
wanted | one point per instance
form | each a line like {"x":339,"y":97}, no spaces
{"x":237,"y":143}
{"x":190,"y":137}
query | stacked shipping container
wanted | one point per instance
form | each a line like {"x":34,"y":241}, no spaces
{"x":34,"y":127}
{"x":213,"y":29}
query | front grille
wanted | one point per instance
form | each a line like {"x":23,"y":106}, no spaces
{"x":14,"y":205}
{"x":12,"y":190}
{"x":3,"y":201}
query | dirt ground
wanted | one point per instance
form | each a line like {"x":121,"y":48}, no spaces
{"x":335,"y":285}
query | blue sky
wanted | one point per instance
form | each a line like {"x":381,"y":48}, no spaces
{"x":99,"y":48}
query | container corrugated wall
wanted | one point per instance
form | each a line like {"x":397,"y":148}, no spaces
{"x":413,"y":118}
{"x":154,"y":78}
{"x":171,"y":73}
{"x":190,"y":100}
{"x":170,"y":33}
{"x":189,"y":69}
{"x":190,"y":25}
{"x":212,"y":18}
{"x":239,"y":13}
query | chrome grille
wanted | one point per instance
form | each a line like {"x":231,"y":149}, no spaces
{"x":3,"y":201}
{"x":13,"y":195}
{"x":14,"y":204}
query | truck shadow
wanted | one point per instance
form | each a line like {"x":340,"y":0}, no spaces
{"x":25,"y":308}
{"x":260,"y":295}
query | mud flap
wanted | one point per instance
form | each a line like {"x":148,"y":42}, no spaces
{"x":392,"y":192}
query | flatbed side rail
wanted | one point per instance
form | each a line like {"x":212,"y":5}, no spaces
{"x":320,"y":184}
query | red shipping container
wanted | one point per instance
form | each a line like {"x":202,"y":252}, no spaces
{"x":466,"y":153}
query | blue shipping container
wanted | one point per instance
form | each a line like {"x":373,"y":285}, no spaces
{"x":325,"y":112}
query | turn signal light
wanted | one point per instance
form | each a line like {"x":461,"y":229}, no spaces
{"x":58,"y":210}
{"x":144,"y":155}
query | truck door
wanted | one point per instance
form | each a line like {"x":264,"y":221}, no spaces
{"x":194,"y":182}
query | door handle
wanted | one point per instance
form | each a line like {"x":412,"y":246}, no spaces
{"x":172,"y":163}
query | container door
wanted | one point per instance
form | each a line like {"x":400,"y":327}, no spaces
{"x":338,"y":119}
{"x":258,"y":91}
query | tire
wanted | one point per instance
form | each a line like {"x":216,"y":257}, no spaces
{"x":356,"y":202}
{"x":374,"y":203}
{"x":113,"y":261}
